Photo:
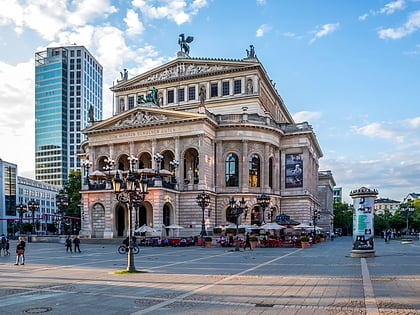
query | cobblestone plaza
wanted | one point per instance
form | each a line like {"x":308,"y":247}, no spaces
{"x":322,"y":279}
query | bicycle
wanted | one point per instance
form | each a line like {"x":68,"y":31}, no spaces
{"x":123,"y":249}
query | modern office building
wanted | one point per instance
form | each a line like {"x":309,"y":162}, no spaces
{"x":338,"y":194}
{"x":197,"y":126}
{"x":8,"y":193}
{"x":68,"y":93}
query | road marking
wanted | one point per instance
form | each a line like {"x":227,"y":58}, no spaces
{"x":370,"y":300}
{"x":207,"y":286}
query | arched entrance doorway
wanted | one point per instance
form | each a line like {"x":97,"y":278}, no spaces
{"x":120,"y":219}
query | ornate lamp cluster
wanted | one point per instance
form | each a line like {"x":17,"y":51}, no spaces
{"x":236,"y":210}
{"x":131,"y":191}
{"x":33,"y":206}
{"x":407,"y":211}
{"x":263,"y":201}
{"x":203,"y":200}
{"x":62,"y":202}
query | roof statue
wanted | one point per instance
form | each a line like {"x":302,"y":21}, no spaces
{"x":124,"y":76}
{"x":150,"y":97}
{"x":183,"y":44}
{"x":250,"y":53}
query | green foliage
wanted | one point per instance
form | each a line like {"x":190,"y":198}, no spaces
{"x":208,"y":239}
{"x":304,"y":239}
{"x":72,"y":190}
{"x":241,"y":231}
{"x":230,"y":231}
{"x":253,"y":239}
{"x":380,"y":223}
{"x":343,"y":217}
{"x":217,"y":230}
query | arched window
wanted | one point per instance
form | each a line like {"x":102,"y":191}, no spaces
{"x":254,"y":171}
{"x":270,"y":172}
{"x":232,"y":170}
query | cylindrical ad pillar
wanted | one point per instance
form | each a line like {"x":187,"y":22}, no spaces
{"x":363,"y":233}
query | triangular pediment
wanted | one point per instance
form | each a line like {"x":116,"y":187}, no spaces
{"x":183,"y":68}
{"x":142,"y":116}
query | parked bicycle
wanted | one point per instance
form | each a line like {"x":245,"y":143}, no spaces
{"x":123,"y":249}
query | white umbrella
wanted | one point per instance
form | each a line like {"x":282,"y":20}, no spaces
{"x":96,"y":175}
{"x":144,"y":228}
{"x":272,"y":226}
{"x":303,"y":226}
{"x":165,"y":172}
{"x":174,"y":227}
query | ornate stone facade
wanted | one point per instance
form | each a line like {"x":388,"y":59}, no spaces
{"x":236,"y":138}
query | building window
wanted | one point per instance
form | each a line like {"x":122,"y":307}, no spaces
{"x":225,"y":88}
{"x":232,"y":170}
{"x":213,"y":90}
{"x":181,"y":95}
{"x":170,"y":96}
{"x":191,"y":93}
{"x":270,"y":172}
{"x":130,"y":102}
{"x":254,"y":171}
{"x":237,"y":87}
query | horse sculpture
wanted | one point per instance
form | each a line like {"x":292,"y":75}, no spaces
{"x":150,"y":97}
{"x":183,"y":43}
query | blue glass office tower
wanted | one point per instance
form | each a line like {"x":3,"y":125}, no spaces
{"x":68,"y":82}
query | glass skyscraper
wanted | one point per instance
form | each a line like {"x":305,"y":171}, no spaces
{"x":68,"y":83}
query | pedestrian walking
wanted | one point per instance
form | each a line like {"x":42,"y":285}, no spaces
{"x":7,"y":247}
{"x":20,"y":251}
{"x":247,"y":242}
{"x":76,"y":243}
{"x":68,"y":244}
{"x":3,"y":242}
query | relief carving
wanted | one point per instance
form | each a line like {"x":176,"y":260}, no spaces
{"x":140,"y":118}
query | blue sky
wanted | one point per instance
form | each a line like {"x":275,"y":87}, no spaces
{"x":349,"y":68}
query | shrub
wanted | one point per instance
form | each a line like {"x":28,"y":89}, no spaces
{"x":253,"y":239}
{"x":304,"y":239}
{"x":208,"y":239}
{"x":217,"y":230}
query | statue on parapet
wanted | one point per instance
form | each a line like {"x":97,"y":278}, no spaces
{"x":124,"y":76}
{"x":150,"y":97}
{"x":183,"y":43}
{"x":251,"y":52}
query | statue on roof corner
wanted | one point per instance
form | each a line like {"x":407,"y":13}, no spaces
{"x":183,"y":43}
{"x":251,"y":52}
{"x":124,"y":76}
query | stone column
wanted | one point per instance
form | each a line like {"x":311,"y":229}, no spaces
{"x":244,"y":174}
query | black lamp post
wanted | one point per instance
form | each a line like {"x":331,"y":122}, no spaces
{"x":236,"y":211}
{"x":263,"y":201}
{"x":109,"y":164}
{"x":174,"y":164}
{"x":407,"y":211}
{"x":62,"y":203}
{"x":158,"y":158}
{"x":316,"y":218}
{"x":131,"y":191}
{"x":86,"y":165}
{"x":21,"y":208}
{"x":33,"y":206}
{"x":203,"y":200}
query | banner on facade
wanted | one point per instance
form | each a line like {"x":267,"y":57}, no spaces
{"x":294,"y":170}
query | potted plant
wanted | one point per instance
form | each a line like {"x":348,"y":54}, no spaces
{"x":207,"y":241}
{"x":254,"y":241}
{"x":217,"y":231}
{"x":304,"y":241}
{"x":241,"y":231}
{"x":230,"y":231}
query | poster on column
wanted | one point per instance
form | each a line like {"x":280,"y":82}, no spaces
{"x":294,"y":170}
{"x":363,"y":223}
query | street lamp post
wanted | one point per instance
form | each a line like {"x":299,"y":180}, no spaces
{"x":203,"y":200}
{"x":236,"y":211}
{"x":174,"y":163}
{"x":131,"y":191}
{"x":263,"y":201}
{"x":316,"y":218}
{"x":407,"y":211}
{"x":33,"y":206}
{"x":62,"y":203}
{"x":86,"y":165}
{"x":21,"y":208}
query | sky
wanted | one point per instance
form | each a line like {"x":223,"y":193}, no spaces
{"x":349,"y":68}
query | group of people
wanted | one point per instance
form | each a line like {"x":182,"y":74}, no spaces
{"x":75,"y":242}
{"x":20,"y":249}
{"x":4,"y":245}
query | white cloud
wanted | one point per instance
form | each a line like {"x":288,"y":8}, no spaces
{"x":414,"y":122}
{"x":391,"y":7}
{"x":411,"y":26}
{"x":325,"y":30}
{"x":262,"y":30}
{"x":306,"y":116}
{"x":379,"y":130}
{"x":363,"y":17}
{"x":135,"y":26}
{"x":17,"y":123}
{"x":261,"y":2}
{"x":178,"y":11}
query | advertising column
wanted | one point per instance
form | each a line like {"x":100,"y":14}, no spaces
{"x":363,"y":233}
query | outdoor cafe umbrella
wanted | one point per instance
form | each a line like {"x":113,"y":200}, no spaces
{"x":303,"y":226}
{"x":97,"y":175}
{"x":272,"y":226}
{"x":144,"y":228}
{"x":174,"y":227}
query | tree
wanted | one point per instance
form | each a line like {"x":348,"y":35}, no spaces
{"x":380,"y":223}
{"x":72,"y":190}
{"x":343,"y":217}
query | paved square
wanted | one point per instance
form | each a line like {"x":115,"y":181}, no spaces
{"x":322,"y":279}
